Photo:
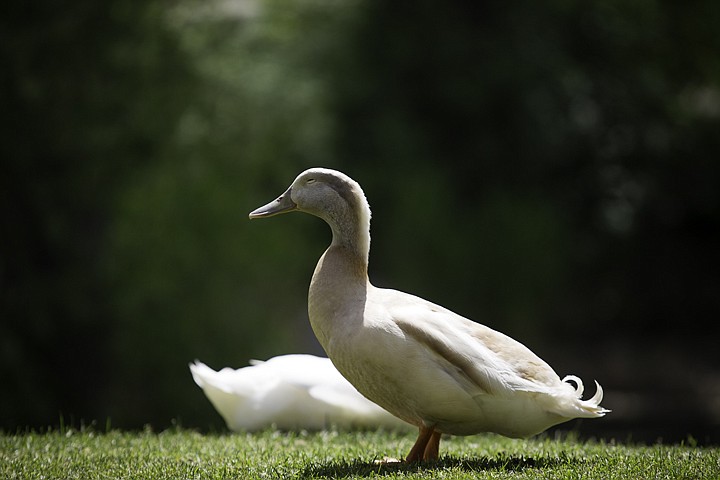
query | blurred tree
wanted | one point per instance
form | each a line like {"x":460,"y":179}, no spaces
{"x":548,"y":169}
{"x":194,"y":278}
{"x":91,"y":93}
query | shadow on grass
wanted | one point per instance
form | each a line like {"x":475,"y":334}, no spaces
{"x":503,"y":463}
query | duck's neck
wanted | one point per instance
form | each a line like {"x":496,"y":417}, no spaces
{"x":351,"y":232}
{"x":340,"y":265}
{"x":338,"y":289}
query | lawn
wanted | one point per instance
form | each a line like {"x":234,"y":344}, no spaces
{"x":185,"y":454}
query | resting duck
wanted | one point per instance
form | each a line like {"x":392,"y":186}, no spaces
{"x":421,"y":362}
{"x":289,"y":392}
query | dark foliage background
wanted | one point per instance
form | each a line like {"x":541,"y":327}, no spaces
{"x":548,"y":169}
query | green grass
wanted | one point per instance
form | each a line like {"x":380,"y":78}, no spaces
{"x":183,"y":454}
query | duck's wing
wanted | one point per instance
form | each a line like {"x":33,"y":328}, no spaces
{"x":493,"y":362}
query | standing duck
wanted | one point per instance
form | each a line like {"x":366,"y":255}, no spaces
{"x":421,"y":362}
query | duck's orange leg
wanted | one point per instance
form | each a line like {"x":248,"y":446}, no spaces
{"x":417,"y":452}
{"x":432,"y":448}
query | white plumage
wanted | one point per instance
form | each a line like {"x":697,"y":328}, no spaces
{"x":423,"y":363}
{"x":289,"y":392}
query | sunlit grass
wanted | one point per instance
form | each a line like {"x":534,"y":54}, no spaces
{"x":184,"y":454}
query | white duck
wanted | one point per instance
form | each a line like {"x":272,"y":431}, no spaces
{"x":421,"y":362}
{"x":288,"y":392}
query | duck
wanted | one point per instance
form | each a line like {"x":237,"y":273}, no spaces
{"x":425,"y":364}
{"x":289,"y":392}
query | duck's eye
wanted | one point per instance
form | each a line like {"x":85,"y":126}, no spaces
{"x":309,"y":181}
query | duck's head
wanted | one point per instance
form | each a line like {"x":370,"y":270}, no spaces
{"x":321,"y":192}
{"x":328,"y":194}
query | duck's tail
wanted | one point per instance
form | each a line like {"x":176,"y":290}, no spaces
{"x":586,"y":408}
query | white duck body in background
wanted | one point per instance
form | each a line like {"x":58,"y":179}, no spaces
{"x":421,"y":362}
{"x":289,"y":392}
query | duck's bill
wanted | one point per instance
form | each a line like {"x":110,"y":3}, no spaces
{"x":282,"y":204}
